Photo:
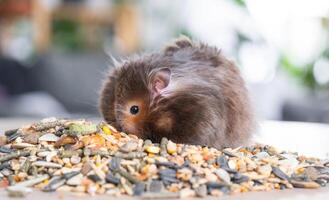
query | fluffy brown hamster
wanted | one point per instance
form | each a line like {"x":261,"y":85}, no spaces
{"x":189,"y":93}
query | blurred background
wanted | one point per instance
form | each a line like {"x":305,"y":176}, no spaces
{"x":54,"y":53}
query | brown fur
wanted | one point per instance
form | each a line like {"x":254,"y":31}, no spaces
{"x":205,"y":103}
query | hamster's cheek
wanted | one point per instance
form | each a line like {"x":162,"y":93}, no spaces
{"x":131,"y":126}
{"x":128,"y":128}
{"x":164,"y":122}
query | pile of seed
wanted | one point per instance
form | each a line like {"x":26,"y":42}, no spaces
{"x":80,"y":156}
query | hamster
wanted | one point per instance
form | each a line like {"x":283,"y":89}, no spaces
{"x":188,"y":92}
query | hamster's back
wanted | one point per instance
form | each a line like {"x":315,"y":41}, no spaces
{"x":204,"y":72}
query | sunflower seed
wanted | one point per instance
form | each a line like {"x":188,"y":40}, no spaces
{"x":279,"y":173}
{"x":5,"y":150}
{"x":14,"y":155}
{"x":223,"y":175}
{"x":302,"y":184}
{"x":112,"y":179}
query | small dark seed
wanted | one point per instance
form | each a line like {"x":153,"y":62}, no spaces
{"x":168,"y":164}
{"x":128,"y":176}
{"x":228,"y":153}
{"x":300,"y":177}
{"x":301,"y":184}
{"x":11,"y":132}
{"x":322,"y":170}
{"x":5,"y":150}
{"x":94,"y":178}
{"x":13,"y":136}
{"x":114,"y":164}
{"x":70,"y":175}
{"x":257,"y":182}
{"x":167,"y":173}
{"x":215,"y":185}
{"x":282,"y":186}
{"x":55,"y":183}
{"x":321,"y":182}
{"x":112,"y":179}
{"x":239,"y":178}
{"x":4,"y":165}
{"x":222,"y":162}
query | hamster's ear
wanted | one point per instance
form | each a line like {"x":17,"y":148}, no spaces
{"x":159,"y":80}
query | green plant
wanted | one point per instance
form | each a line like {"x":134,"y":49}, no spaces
{"x":304,"y":74}
{"x":67,"y":35}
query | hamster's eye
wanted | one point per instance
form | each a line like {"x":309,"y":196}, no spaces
{"x":134,"y":110}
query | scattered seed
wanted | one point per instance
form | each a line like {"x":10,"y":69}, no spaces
{"x":53,"y":184}
{"x":5,"y":150}
{"x":156,"y":186}
{"x":75,"y":159}
{"x":163,"y":146}
{"x":47,"y":125}
{"x":69,"y":175}
{"x":128,"y":176}
{"x":69,"y":153}
{"x":21,"y":145}
{"x":279,"y":173}
{"x":302,"y":184}
{"x":46,"y":164}
{"x":14,"y":155}
{"x":171,"y":147}
{"x":32,"y":181}
{"x":26,"y":166}
{"x":139,"y":189}
{"x":321,"y":182}
{"x":152,"y":149}
{"x":222,"y":162}
{"x":229,"y":153}
{"x":201,"y":191}
{"x":94,"y":178}
{"x":64,"y":140}
{"x":81,"y":129}
{"x":10,"y":132}
{"x":129,"y":147}
{"x":79,"y":156}
{"x":114,"y":164}
{"x":131,"y":155}
{"x":216,"y":185}
{"x":49,"y":137}
{"x":112,"y":179}
{"x":4,"y":165}
{"x":168,"y":164}
{"x":239,"y":178}
{"x":223,"y":175}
